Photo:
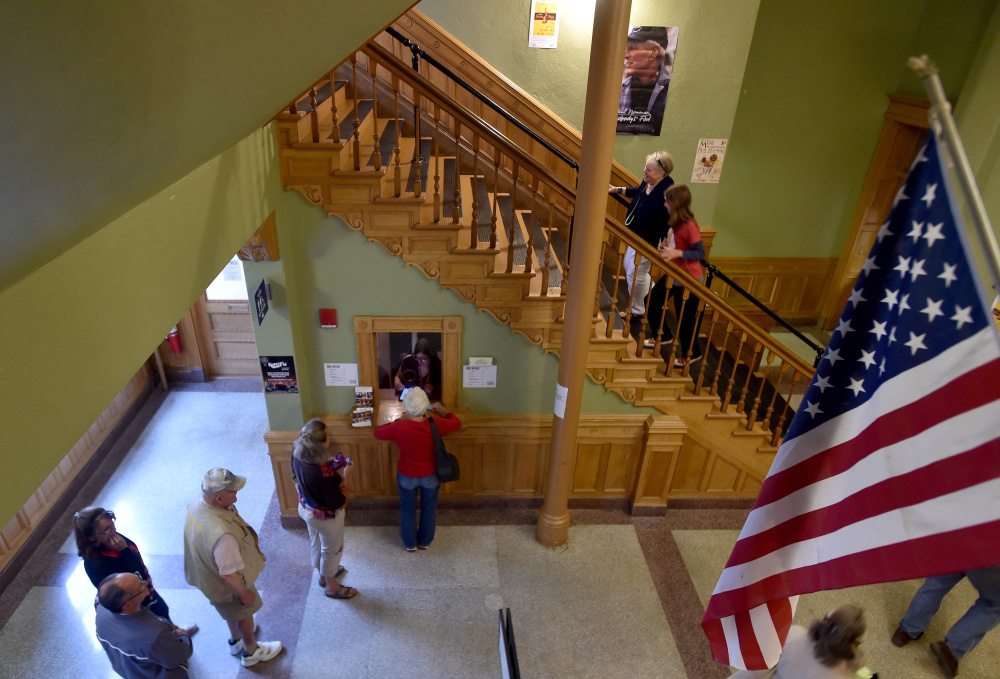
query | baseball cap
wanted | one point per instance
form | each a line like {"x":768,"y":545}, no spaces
{"x":219,"y":479}
{"x":643,"y":33}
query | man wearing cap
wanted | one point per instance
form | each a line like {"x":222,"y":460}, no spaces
{"x":139,"y":643}
{"x":645,"y":81}
{"x":222,"y":558}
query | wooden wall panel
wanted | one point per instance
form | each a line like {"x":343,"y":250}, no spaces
{"x":21,"y":526}
{"x":792,"y":287}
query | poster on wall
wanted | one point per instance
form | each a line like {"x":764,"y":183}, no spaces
{"x":279,"y":374}
{"x":649,"y":61}
{"x":544,"y":25}
{"x":708,"y":161}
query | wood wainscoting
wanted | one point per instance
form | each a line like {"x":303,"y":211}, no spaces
{"x":19,"y":529}
{"x":792,"y":287}
{"x":646,"y":459}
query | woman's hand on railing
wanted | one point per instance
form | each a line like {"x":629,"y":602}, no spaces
{"x":669,"y":254}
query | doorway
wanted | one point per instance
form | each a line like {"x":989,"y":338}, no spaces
{"x":225,"y":332}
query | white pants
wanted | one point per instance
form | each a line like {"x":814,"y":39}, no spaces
{"x":638,"y":281}
{"x":326,"y":541}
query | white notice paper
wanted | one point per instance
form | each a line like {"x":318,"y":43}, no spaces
{"x":560,"y":407}
{"x":341,"y":374}
{"x":479,"y":377}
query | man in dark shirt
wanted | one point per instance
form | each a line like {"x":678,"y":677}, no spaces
{"x":139,"y":644}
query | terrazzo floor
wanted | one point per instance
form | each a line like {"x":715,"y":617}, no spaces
{"x":623,"y":598}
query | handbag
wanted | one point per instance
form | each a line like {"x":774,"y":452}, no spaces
{"x":447,"y":464}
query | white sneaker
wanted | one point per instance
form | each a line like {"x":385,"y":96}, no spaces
{"x":265,"y":651}
{"x":235,"y":647}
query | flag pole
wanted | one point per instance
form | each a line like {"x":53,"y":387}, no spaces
{"x":935,"y":90}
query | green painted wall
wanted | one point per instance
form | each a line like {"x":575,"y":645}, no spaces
{"x":77,"y":329}
{"x":328,"y":265}
{"x":803,"y":105}
{"x":712,"y":47}
{"x":114,"y":101}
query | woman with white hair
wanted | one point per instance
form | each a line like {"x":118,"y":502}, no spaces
{"x":322,"y":500}
{"x":417,"y":467}
{"x":647,"y":217}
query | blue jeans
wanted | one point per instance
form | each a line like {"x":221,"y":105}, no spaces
{"x":971,"y":627}
{"x":429,"y":487}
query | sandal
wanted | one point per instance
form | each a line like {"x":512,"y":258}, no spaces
{"x":340,"y":571}
{"x":343,"y":593}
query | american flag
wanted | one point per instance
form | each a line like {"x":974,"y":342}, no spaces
{"x":891,"y":466}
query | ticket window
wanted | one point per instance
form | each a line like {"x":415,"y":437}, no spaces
{"x":420,"y":351}
{"x":409,"y":360}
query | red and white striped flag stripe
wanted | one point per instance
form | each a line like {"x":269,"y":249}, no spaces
{"x":891,"y":466}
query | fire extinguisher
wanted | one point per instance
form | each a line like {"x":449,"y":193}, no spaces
{"x":174,"y":338}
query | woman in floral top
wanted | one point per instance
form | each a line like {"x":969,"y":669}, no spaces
{"x":322,"y":499}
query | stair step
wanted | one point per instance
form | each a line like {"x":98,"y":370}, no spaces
{"x":347,"y":122}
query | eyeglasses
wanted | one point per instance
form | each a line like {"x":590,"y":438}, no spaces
{"x":143,"y":587}
{"x":110,"y":529}
{"x":657,"y":159}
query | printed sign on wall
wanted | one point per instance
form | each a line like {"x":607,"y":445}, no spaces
{"x":279,"y":374}
{"x":649,"y":61}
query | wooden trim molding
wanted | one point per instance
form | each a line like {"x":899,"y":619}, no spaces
{"x":262,"y":246}
{"x":632,"y":457}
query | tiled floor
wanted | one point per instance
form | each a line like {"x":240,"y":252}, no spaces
{"x":623,"y":598}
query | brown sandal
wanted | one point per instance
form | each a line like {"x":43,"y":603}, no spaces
{"x":340,"y":571}
{"x":343,"y":592}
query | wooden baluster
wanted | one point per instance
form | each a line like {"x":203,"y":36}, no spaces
{"x":458,"y":172}
{"x":746,"y":385}
{"x":564,"y":286}
{"x":513,"y":225}
{"x":658,"y":332}
{"x":732,"y":378}
{"x":437,"y":164}
{"x":669,"y":282}
{"x":777,"y":436}
{"x":613,"y":313}
{"x":397,"y":181}
{"x":782,"y":368}
{"x":548,"y":250}
{"x":755,"y":408}
{"x":714,"y":389}
{"x":356,"y":145}
{"x":377,"y":157}
{"x":418,"y":187}
{"x":496,"y":190}
{"x":474,"y":231}
{"x":314,"y":115}
{"x":708,"y":345}
{"x":335,"y":135}
{"x":529,"y":252}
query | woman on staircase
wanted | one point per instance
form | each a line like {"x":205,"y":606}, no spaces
{"x":683,"y":244}
{"x":647,"y":217}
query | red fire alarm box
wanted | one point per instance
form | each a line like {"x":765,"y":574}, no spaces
{"x":328,"y":318}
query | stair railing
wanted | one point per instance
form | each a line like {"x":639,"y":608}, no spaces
{"x":755,"y":377}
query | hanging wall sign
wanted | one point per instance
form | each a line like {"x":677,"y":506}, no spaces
{"x":708,"y":161}
{"x":649,"y":61}
{"x":260,"y":301}
{"x":279,"y":374}
{"x":544,"y":25}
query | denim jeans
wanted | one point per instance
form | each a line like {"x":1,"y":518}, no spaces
{"x":971,"y":627}
{"x":428,"y":487}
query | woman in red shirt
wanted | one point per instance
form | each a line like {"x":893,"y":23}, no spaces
{"x":683,"y":244}
{"x":417,"y":468}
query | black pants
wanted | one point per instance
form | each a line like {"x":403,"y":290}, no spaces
{"x":688,"y":315}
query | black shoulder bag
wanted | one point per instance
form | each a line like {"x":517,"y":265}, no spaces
{"x":447,"y":464}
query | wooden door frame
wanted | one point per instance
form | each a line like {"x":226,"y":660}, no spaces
{"x":902,"y":110}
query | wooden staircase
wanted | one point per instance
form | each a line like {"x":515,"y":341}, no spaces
{"x":492,"y":221}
